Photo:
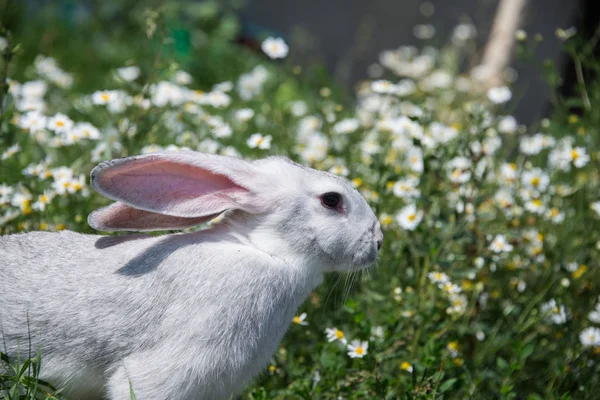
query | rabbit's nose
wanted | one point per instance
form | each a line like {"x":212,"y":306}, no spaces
{"x":379,"y":237}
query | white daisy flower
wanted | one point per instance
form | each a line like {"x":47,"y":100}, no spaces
{"x":334,"y":334}
{"x":407,"y":188}
{"x":555,"y":215}
{"x":60,"y":123}
{"x":383,"y":86}
{"x":458,"y":169}
{"x":553,"y":312}
{"x":438,"y":277}
{"x":129,"y":74}
{"x":300,"y":319}
{"x":11,"y":151}
{"x":257,"y":140}
{"x":499,"y":95}
{"x":579,"y":157}
{"x":535,"y":179}
{"x":358,"y":349}
{"x":86,"y":130}
{"x":594,"y":315}
{"x":590,"y":337}
{"x":508,"y":124}
{"x":244,"y":114}
{"x":345,"y":126}
{"x":536,"y":206}
{"x":275,"y":48}
{"x":500,"y":245}
{"x":409,"y":217}
{"x":182,"y":78}
{"x":414,"y":158}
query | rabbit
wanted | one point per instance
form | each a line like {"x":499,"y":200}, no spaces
{"x":186,"y":315}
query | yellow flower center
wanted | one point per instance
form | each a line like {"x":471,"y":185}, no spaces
{"x":104,"y":97}
{"x":60,"y":124}
{"x":513,"y":166}
{"x":405,"y":366}
{"x":259,"y":141}
{"x":412,"y":217}
{"x":43,"y":198}
{"x":535,"y":181}
{"x":574,"y":154}
{"x":554,"y":212}
{"x":537,"y":202}
{"x":359,"y":350}
{"x":339,"y":334}
{"x":297,"y":320}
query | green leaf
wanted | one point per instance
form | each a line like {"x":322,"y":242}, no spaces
{"x":501,"y":363}
{"x":527,"y":350}
{"x":444,"y":387}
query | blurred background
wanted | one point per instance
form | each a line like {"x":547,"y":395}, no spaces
{"x":343,"y":36}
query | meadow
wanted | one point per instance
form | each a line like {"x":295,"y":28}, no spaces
{"x":488,"y":283}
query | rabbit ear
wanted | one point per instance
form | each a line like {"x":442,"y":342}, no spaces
{"x":179,"y":183}
{"x":119,"y":217}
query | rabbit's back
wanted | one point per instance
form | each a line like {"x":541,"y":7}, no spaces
{"x":61,"y":293}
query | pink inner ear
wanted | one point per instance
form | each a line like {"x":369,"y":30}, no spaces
{"x":119,"y":217}
{"x":167,"y":187}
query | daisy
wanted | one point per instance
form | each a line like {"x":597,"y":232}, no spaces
{"x":500,"y":245}
{"x":86,"y":130}
{"x":345,"y":126}
{"x":259,"y":141}
{"x":438,"y":277}
{"x":383,"y":86}
{"x":407,"y":188}
{"x":535,"y":206}
{"x":535,"y":179}
{"x":499,"y":95}
{"x":414,"y":159}
{"x":508,"y":124}
{"x":553,"y":312}
{"x":555,"y":215}
{"x":458,"y":170}
{"x":406,"y":366}
{"x":129,"y":74}
{"x":11,"y":151}
{"x":60,"y":123}
{"x":300,"y":319}
{"x":244,"y":114}
{"x":590,"y":337}
{"x":409,"y":217}
{"x":334,"y":334}
{"x":579,"y":157}
{"x":358,"y":349}
{"x":594,"y":315}
{"x":275,"y":48}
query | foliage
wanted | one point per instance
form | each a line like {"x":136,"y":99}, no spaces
{"x":487,"y":284}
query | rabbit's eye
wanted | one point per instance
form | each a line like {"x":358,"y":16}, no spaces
{"x":331,"y":200}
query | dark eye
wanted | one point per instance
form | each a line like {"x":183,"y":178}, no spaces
{"x":331,"y":200}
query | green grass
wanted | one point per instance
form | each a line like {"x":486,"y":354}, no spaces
{"x":500,"y":337}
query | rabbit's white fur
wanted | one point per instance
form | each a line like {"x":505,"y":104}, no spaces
{"x":182,"y":316}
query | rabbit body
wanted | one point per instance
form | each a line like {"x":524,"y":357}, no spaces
{"x":147,"y":309}
{"x":181,"y":316}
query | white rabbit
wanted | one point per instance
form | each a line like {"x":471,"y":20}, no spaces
{"x":181,"y":316}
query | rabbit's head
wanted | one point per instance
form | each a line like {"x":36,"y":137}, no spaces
{"x":289,"y":211}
